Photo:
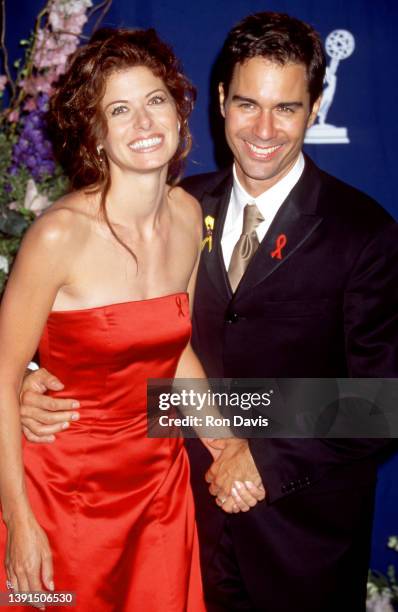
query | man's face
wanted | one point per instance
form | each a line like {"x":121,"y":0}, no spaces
{"x":267,"y":112}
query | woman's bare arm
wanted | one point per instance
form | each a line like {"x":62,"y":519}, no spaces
{"x":41,"y":268}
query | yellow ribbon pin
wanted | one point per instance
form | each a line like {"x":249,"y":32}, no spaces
{"x":209,"y":223}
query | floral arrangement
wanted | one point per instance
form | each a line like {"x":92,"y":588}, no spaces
{"x":383,"y":590}
{"x":30,"y":179}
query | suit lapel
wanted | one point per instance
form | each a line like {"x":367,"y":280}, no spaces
{"x":296,"y":220}
{"x":215,"y":204}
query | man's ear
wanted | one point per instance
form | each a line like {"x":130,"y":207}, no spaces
{"x":314,"y":111}
{"x":221,"y":97}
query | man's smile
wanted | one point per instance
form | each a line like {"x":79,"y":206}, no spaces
{"x":262,"y":152}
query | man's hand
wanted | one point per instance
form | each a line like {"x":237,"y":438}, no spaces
{"x":43,"y":416}
{"x":214,"y":446}
{"x":234,"y":478}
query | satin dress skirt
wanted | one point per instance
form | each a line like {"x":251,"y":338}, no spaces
{"x":116,"y":505}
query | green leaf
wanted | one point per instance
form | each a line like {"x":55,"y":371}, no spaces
{"x":3,"y":279}
{"x":13,"y":224}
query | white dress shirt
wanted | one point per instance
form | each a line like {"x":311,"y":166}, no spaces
{"x":268,"y":204}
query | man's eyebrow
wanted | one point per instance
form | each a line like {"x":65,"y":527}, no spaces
{"x":237,"y":98}
{"x":291,"y":104}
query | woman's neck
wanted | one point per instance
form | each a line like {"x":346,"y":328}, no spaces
{"x":136,"y":200}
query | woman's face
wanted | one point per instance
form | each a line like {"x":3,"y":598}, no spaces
{"x":142,"y":121}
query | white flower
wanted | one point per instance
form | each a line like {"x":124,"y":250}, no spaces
{"x":393,"y":543}
{"x":71,"y":7}
{"x":57,"y":20}
{"x":379,"y":602}
{"x":34,"y":201}
{"x":4,"y":264}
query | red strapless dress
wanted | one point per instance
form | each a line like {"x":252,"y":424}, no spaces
{"x":117,"y":506}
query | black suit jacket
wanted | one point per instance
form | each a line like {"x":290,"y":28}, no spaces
{"x":328,"y":308}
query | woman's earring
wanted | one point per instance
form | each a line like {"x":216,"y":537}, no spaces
{"x":178,"y":125}
{"x":99,"y":149}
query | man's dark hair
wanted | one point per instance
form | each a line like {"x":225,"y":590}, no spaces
{"x":279,"y":38}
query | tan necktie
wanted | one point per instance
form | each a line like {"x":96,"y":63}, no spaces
{"x":246,"y":246}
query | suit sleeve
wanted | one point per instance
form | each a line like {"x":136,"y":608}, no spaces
{"x":371,"y":342}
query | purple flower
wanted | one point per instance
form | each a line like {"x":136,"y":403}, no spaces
{"x":42,"y":103}
{"x":45,"y":168}
{"x":22,"y":145}
{"x":33,"y":120}
{"x":33,"y":149}
{"x":31,"y":161}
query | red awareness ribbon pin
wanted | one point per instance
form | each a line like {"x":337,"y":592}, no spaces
{"x":281,"y":242}
{"x":179,"y":306}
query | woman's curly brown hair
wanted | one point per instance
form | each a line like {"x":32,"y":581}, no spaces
{"x":76,"y":122}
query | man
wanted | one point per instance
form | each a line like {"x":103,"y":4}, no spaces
{"x":299,"y":279}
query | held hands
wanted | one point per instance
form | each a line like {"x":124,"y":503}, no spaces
{"x":233,"y":476}
{"x":43,"y":416}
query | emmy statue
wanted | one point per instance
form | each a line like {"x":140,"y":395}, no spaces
{"x":339,"y":45}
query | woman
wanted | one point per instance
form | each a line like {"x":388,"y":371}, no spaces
{"x":100,"y":284}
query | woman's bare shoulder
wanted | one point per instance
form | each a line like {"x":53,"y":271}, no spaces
{"x":63,"y":224}
{"x":80,"y":203}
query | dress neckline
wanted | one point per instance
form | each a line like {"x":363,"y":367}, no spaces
{"x":103,"y":306}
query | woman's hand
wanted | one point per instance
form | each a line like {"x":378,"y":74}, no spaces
{"x":244,"y":496}
{"x":28,"y":556}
